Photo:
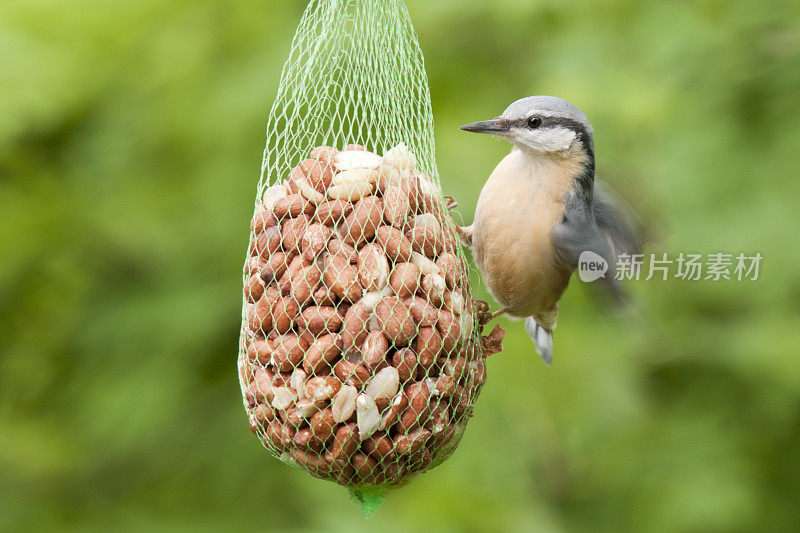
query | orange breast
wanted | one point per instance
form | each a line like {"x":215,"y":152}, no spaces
{"x":519,"y":206}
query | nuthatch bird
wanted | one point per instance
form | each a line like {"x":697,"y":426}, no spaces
{"x":540,"y":210}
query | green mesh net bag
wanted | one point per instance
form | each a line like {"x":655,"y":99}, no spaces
{"x":360,"y":355}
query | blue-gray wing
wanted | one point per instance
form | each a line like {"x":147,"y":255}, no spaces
{"x":604,"y":226}
{"x":617,"y":221}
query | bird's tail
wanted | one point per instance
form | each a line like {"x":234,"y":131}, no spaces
{"x":542,"y":337}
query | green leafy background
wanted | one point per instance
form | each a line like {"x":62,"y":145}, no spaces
{"x":131,"y":134}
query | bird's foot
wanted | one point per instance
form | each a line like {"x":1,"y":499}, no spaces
{"x":481,"y":306}
{"x":465,"y":235}
{"x":484,"y":316}
{"x":450,"y":203}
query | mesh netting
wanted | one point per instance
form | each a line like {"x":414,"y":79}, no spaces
{"x":360,"y":355}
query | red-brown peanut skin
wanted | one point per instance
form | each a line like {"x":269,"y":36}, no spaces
{"x":288,"y":352}
{"x":355,"y":326}
{"x":363,"y":221}
{"x":332,"y":212}
{"x":318,"y":173}
{"x":268,"y":242}
{"x":449,"y":329}
{"x":406,"y":363}
{"x":292,"y":232}
{"x":318,"y":320}
{"x":284,"y":314}
{"x":313,"y":258}
{"x":275,"y":266}
{"x":425,"y":240}
{"x":254,"y":288}
{"x":379,"y":447}
{"x":405,"y":279}
{"x":428,"y":346}
{"x":262,"y":220}
{"x":450,"y":267}
{"x":260,"y":350}
{"x":292,"y":206}
{"x":395,"y":320}
{"x":397,"y":206}
{"x":342,"y":278}
{"x":323,"y":425}
{"x":396,"y":245}
{"x":422,"y":311}
{"x":351,"y":373}
{"x":261,"y":315}
{"x":417,"y":410}
{"x":374,"y":350}
{"x":304,"y":283}
{"x":345,"y":441}
{"x":322,"y":353}
{"x":254,"y":265}
{"x":314,"y":240}
{"x":325,"y":154}
{"x":278,"y":435}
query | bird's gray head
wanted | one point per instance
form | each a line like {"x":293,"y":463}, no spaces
{"x":543,"y":124}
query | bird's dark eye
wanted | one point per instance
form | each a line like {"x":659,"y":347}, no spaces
{"x":534,"y":122}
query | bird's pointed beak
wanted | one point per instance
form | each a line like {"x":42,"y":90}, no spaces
{"x":494,"y":126}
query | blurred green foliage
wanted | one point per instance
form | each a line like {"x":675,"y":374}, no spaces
{"x":130,"y":142}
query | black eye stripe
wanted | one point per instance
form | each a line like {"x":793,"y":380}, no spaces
{"x":555,"y":122}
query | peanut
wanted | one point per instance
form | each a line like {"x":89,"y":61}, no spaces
{"x":342,"y":278}
{"x":405,"y":279}
{"x":373,"y":268}
{"x":323,"y":425}
{"x":292,"y":231}
{"x":351,"y":373}
{"x":367,"y":416}
{"x":263,"y":219}
{"x":396,"y":245}
{"x":384,"y":385}
{"x":355,"y":326}
{"x":318,"y":320}
{"x":351,"y":191}
{"x":268,"y":242}
{"x":405,"y":361}
{"x":344,"y":403}
{"x":274,"y":267}
{"x":395,"y":320}
{"x":288,"y":352}
{"x":314,"y":240}
{"x":428,"y":346}
{"x":379,"y":447}
{"x":318,"y":173}
{"x":322,"y":353}
{"x":422,"y":311}
{"x":411,"y":442}
{"x":357,"y":355}
{"x":361,"y":224}
{"x":374,"y":350}
{"x":292,"y":206}
{"x":332,"y":212}
{"x":396,"y":206}
{"x":260,"y":350}
{"x":254,"y":288}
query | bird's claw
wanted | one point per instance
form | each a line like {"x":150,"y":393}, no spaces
{"x":464,"y":236}
{"x":484,"y":316}
{"x":481,"y":306}
{"x":450,"y":203}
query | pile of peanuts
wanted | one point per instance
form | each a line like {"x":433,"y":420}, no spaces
{"x":360,"y":356}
